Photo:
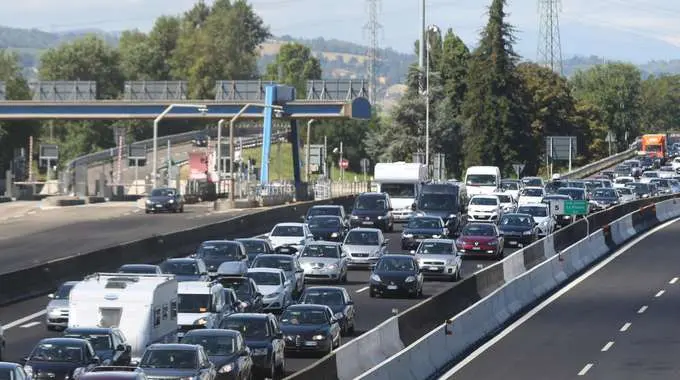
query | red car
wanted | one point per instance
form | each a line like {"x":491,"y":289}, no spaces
{"x":481,"y":240}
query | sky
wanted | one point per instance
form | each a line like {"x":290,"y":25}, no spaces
{"x":631,"y":30}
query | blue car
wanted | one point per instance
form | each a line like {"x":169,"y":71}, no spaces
{"x":420,"y":228}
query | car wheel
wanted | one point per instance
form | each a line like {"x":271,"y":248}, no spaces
{"x":181,"y":209}
{"x":350,"y":329}
{"x":371,"y":293}
{"x":147,"y":211}
{"x":281,"y":369}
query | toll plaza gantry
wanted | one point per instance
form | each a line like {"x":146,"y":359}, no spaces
{"x":249,"y":100}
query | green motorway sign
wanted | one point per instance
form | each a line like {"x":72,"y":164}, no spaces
{"x":575,"y":207}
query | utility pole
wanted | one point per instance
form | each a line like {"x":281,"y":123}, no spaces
{"x":372,"y":30}
{"x":549,"y":42}
{"x":421,"y":35}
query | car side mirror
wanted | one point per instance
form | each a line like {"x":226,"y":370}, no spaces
{"x":95,"y":360}
{"x":414,"y":207}
{"x":350,"y":302}
{"x":121,"y":348}
{"x":384,"y":243}
{"x":501,"y":234}
{"x":278,"y":335}
{"x":245,"y":352}
{"x":23,"y":360}
{"x":390,"y":209}
{"x":204,"y":273}
{"x":303,"y":218}
{"x":50,"y":296}
{"x":193,"y":255}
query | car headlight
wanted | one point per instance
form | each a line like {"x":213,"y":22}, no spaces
{"x":226,"y":368}
{"x":527,"y":232}
{"x":187,"y":378}
{"x":375,"y":278}
{"x":354,"y":217}
{"x":410,"y":279}
{"x":452,"y":216}
{"x":493,"y":243}
{"x":450,"y":262}
{"x":333,"y":267}
{"x":420,"y":213}
{"x":201,"y":321}
{"x":436,"y":236}
{"x":29,"y":370}
{"x":380,"y":217}
{"x":148,"y":201}
{"x":272,"y":295}
{"x":171,"y":201}
{"x":319,"y":337}
{"x":258,"y":351}
{"x":407,"y":236}
{"x":51,"y":310}
{"x":374,"y":253}
{"x":334,"y":234}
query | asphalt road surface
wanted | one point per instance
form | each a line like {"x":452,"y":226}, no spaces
{"x":620,"y":323}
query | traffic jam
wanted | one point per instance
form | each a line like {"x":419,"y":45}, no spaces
{"x":236,"y":309}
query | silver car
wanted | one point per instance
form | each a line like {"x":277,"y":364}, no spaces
{"x":323,"y":260}
{"x":438,"y":258}
{"x":57,"y":310}
{"x":364,"y":246}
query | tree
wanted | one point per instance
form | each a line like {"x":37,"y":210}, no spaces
{"x":496,"y":129}
{"x":453,"y":68}
{"x":660,"y":104}
{"x":294,"y":65}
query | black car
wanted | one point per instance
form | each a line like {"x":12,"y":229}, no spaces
{"x":255,"y":247}
{"x":201,"y":140}
{"x":372,"y":210}
{"x":226,"y":349}
{"x":186,"y":269}
{"x":420,"y":228}
{"x":164,"y":200}
{"x":518,"y":229}
{"x":327,"y":228}
{"x":109,"y":344}
{"x":264,"y":338}
{"x":338,"y":299}
{"x":326,"y":210}
{"x":177,"y":361}
{"x":12,"y":371}
{"x":140,"y":269}
{"x":310,"y":328}
{"x":445,"y":200}
{"x":396,"y":274}
{"x":663,"y":185}
{"x":60,"y":358}
{"x":215,"y":252}
{"x":246,"y":291}
{"x":604,"y":198}
{"x":641,"y":190}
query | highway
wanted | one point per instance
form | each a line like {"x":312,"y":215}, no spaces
{"x":618,"y":323}
{"x":24,"y":322}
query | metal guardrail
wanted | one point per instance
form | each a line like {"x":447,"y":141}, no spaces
{"x":600,"y":165}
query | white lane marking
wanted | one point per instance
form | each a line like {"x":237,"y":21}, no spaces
{"x":30,"y":324}
{"x":607,"y":346}
{"x":33,"y":212}
{"x":552,"y":299}
{"x":23,"y":320}
{"x":642,"y":309}
{"x":659,"y":294}
{"x":585,"y":369}
{"x":673,"y":281}
{"x":625,"y":327}
{"x":365,"y":288}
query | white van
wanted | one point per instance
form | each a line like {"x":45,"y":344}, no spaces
{"x":200,"y":305}
{"x":142,"y":306}
{"x":400,"y":180}
{"x":482,"y":180}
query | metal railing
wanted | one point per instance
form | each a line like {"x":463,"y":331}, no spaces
{"x":600,"y":165}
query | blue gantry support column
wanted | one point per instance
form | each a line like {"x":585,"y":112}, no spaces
{"x":295,"y":144}
{"x":269,"y":97}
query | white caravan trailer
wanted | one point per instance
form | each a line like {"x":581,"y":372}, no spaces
{"x":142,"y":306}
{"x":401,"y":180}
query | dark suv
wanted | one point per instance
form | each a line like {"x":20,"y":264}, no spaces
{"x":373,"y":210}
{"x":164,"y":200}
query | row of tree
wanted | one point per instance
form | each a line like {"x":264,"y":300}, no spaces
{"x":486,"y":106}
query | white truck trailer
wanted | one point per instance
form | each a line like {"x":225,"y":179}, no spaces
{"x":401,"y":180}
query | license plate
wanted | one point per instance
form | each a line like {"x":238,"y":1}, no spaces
{"x":476,"y":248}
{"x":434,"y":268}
{"x":391,"y":287}
{"x":310,"y":343}
{"x":180,"y":334}
{"x":159,"y":206}
{"x":512,"y":242}
{"x":367,"y":223}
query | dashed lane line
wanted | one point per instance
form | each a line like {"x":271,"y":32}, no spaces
{"x":673,"y":280}
{"x":365,"y":288}
{"x":607,"y":346}
{"x":585,"y":369}
{"x":642,"y":309}
{"x":659,"y":294}
{"x":625,"y":327}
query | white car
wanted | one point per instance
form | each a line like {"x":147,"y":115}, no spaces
{"x":541,"y":214}
{"x":533,"y":194}
{"x":626,"y":194}
{"x":621,"y":182}
{"x":276,"y":290}
{"x":512,"y":187}
{"x":507,"y":202}
{"x":676,"y":163}
{"x":296,"y":235}
{"x":484,"y":208}
{"x":649,"y":175}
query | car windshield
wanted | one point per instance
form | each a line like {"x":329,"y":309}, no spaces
{"x":481,"y":180}
{"x":323,"y":297}
{"x":625,"y":190}
{"x":273,"y":262}
{"x":638,"y":187}
{"x":179,"y":268}
{"x":317,"y":211}
{"x":535,"y":211}
{"x":532,"y":192}
{"x":254,"y":246}
{"x":433,"y":201}
{"x":265,"y":278}
{"x":100,"y":342}
{"x":318,"y":250}
{"x":288,"y":231}
{"x":575,"y":194}
{"x":435,"y":248}
{"x":7,"y":374}
{"x":623,"y":181}
{"x":604,"y":193}
{"x":362,"y":238}
{"x":63,"y":292}
{"x":509,"y":185}
{"x":255,"y":329}
{"x":138,"y":269}
{"x":393,"y":264}
{"x":661,"y":182}
{"x":504,"y":198}
{"x":214,"y":345}
{"x":218,"y":250}
{"x":169,"y":359}
{"x":163,"y":193}
{"x":532,"y":181}
{"x":238,"y":285}
{"x":479,"y":230}
{"x":516,"y":220}
{"x":427,"y":223}
{"x":650,"y":174}
{"x":301,"y":316}
{"x":484,"y":201}
{"x":324,"y":222}
{"x":579,"y":184}
{"x":399,"y":190}
{"x":194,"y":303}
{"x":370,"y":203}
{"x":633,"y":164}
{"x":57,"y":352}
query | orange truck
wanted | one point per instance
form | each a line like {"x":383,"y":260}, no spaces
{"x":654,"y":146}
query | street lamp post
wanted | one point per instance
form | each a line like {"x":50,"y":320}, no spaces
{"x":435,"y":29}
{"x":154,"y":171}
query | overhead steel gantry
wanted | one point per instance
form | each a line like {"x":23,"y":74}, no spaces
{"x":326,"y":99}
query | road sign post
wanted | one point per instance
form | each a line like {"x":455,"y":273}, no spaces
{"x":364,"y":166}
{"x":518,"y":169}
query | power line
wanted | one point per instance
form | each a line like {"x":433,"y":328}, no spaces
{"x":372,"y":29}
{"x":549,"y":43}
